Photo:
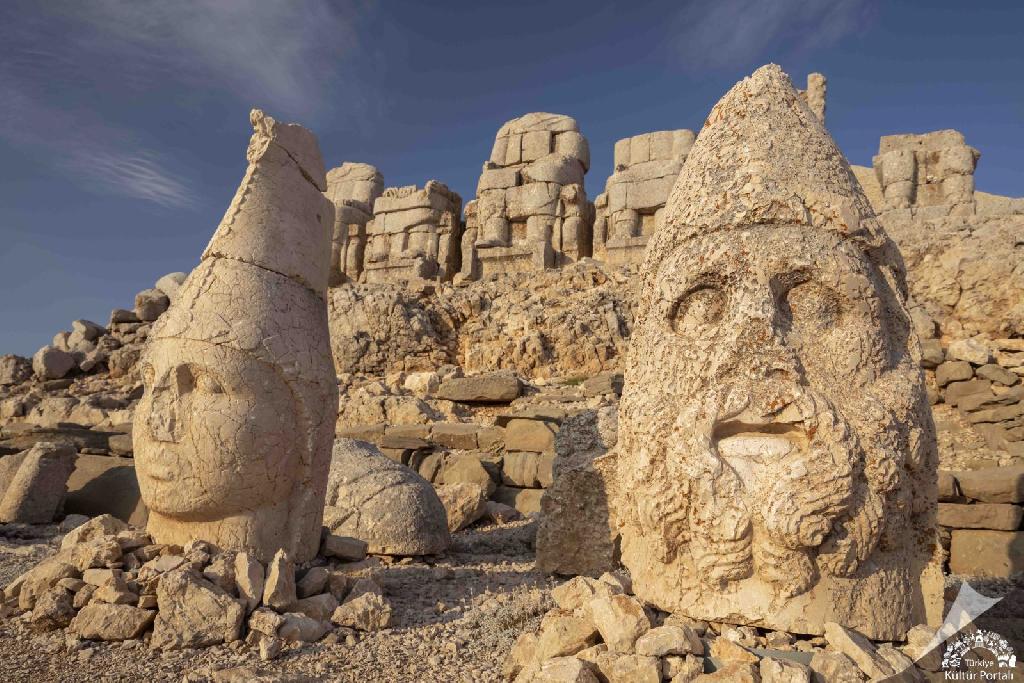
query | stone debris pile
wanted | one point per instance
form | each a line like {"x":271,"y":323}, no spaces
{"x":600,"y":631}
{"x":110,"y":582}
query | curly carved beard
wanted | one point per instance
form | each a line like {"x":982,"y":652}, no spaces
{"x":781,"y":514}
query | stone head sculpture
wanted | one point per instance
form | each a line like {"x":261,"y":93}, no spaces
{"x":776,"y":462}
{"x":233,"y":434}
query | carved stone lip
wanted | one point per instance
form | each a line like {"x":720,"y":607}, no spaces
{"x":759,"y":442}
{"x":163,"y":468}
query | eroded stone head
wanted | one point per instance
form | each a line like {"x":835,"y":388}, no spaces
{"x":232,"y":436}
{"x":777,"y":458}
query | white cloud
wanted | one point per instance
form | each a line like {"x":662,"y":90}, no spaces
{"x":728,"y":33}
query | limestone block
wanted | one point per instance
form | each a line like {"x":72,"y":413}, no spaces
{"x":536,"y":144}
{"x":433,"y":195}
{"x":170,"y":284}
{"x":682,"y":142}
{"x":555,"y":123}
{"x":495,"y":387}
{"x":402,"y":221}
{"x":50,"y":362}
{"x":98,"y":621}
{"x":497,"y":179}
{"x":993,"y":484}
{"x":741,"y":489}
{"x":971,"y":350}
{"x":897,"y":166}
{"x":14,"y":369}
{"x":387,"y":505}
{"x":455,"y":435}
{"x":573,"y":144}
{"x":621,"y":620}
{"x":859,"y":649}
{"x":354,"y":182}
{"x":37,"y":489}
{"x":514,"y":149}
{"x":986,"y":553}
{"x":531,"y":200}
{"x":639,"y":149}
{"x":554,"y":168}
{"x":521,"y":469}
{"x":365,"y":609}
{"x":953,"y":371}
{"x":300,"y":628}
{"x":783,"y":671}
{"x":834,"y":666}
{"x":526,"y":501}
{"x":669,"y":640}
{"x":530,"y":435}
{"x":648,"y":194}
{"x":463,"y":504}
{"x":344,"y":548}
{"x":499,"y":150}
{"x":563,"y":633}
{"x":279,"y":588}
{"x":232,"y":435}
{"x":192,"y":613}
{"x":622,"y":150}
{"x":150,"y":304}
{"x":997,"y":374}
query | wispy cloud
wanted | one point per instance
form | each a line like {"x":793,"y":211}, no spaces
{"x":76,"y":75}
{"x":728,"y":33}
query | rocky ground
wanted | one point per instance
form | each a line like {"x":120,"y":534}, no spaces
{"x":454,"y":619}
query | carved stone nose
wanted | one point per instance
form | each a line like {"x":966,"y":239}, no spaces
{"x":163,"y":415}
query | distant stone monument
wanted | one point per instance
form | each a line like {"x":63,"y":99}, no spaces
{"x":531,"y":211}
{"x":776,"y":462}
{"x":233,"y":435}
{"x":934,"y":171}
{"x":352,"y":188}
{"x":415,"y":234}
{"x":631,"y":208}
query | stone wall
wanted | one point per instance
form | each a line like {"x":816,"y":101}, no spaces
{"x":352,"y":188}
{"x":631,"y":207}
{"x":415,"y":234}
{"x":531,"y":211}
{"x":980,"y":517}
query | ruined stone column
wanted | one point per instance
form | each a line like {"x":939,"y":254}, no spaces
{"x":777,"y":461}
{"x":233,"y":434}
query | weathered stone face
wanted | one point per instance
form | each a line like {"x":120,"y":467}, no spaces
{"x":776,"y":462}
{"x":232,"y":436}
{"x":214,"y":441}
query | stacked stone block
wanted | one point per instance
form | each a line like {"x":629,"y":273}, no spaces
{"x":352,"y":188}
{"x":982,"y":380}
{"x":980,"y":517}
{"x":631,"y":207}
{"x":932,"y":172}
{"x":414,"y":234}
{"x":531,"y":211}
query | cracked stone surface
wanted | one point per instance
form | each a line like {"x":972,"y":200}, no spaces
{"x":777,"y":462}
{"x":232,"y":437}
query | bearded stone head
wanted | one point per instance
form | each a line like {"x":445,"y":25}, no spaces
{"x":776,"y":463}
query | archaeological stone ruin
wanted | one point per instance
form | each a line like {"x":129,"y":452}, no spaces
{"x":751,"y":414}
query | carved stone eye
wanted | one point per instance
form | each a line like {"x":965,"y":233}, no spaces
{"x":208,"y":385}
{"x":811,"y":306}
{"x":697,"y":309}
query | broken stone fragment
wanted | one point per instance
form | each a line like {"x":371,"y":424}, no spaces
{"x":313,"y":582}
{"x":463,"y":503}
{"x":111,"y":622}
{"x":192,"y":612}
{"x":343,"y":547}
{"x":621,"y":619}
{"x":365,"y":609}
{"x":859,"y":649}
{"x":669,"y":640}
{"x":279,"y":589}
{"x":249,"y":580}
{"x":38,"y":487}
{"x":387,"y":505}
{"x":562,"y":633}
{"x":301,"y":628}
{"x":317,"y":607}
{"x":53,"y":610}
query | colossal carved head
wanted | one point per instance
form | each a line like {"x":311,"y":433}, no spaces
{"x":233,"y":434}
{"x":775,"y":439}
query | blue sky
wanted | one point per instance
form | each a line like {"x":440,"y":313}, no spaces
{"x":123,"y":123}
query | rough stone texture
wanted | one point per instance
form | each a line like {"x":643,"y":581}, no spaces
{"x":14,"y":369}
{"x":150,"y":304}
{"x":859,"y":649}
{"x":998,"y":516}
{"x":50,"y":362}
{"x":99,"y":621}
{"x":170,"y":284}
{"x":620,"y":619}
{"x":531,"y":211}
{"x":574,"y":535}
{"x":993,"y":485}
{"x":192,"y":612}
{"x":415,"y":234}
{"x":463,"y":503}
{"x":36,"y":490}
{"x":986,"y":553}
{"x":389,"y":506}
{"x":352,"y":188}
{"x":279,"y":589}
{"x":777,"y":460}
{"x":558,"y":322}
{"x":233,"y":433}
{"x":495,"y":387}
{"x":632,"y":206}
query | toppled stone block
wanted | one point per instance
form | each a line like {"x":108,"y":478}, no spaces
{"x":37,"y":488}
{"x":526,"y":501}
{"x":192,"y":612}
{"x":51,"y":362}
{"x":621,"y":619}
{"x":150,"y":304}
{"x":993,"y":484}
{"x":997,"y":516}
{"x":497,"y":387}
{"x":986,"y":553}
{"x":530,"y":435}
{"x":387,"y":505}
{"x":98,"y":621}
{"x":463,"y":503}
{"x":343,"y":548}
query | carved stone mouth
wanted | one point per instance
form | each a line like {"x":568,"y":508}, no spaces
{"x":738,"y":440}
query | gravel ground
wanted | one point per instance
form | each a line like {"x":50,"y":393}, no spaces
{"x":455,"y":617}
